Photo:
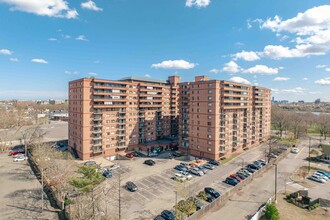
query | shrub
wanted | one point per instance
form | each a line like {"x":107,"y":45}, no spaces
{"x":271,"y":212}
{"x":202,"y":195}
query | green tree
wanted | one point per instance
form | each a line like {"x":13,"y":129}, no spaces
{"x":88,"y":178}
{"x":271,"y":212}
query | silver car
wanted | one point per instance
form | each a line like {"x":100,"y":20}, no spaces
{"x":196,"y":171}
{"x":204,"y":170}
{"x":209,"y":166}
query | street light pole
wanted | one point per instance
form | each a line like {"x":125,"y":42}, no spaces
{"x":42,"y":190}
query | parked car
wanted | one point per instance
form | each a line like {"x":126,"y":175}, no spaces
{"x":262,"y":162}
{"x":317,"y":179}
{"x":250,"y":170}
{"x":17,"y":159}
{"x":236,"y":177}
{"x":88,"y":163}
{"x":253,"y":166}
{"x":131,"y":155}
{"x":257,"y":164}
{"x":187,"y":175}
{"x":212,"y":192}
{"x":192,"y":164}
{"x":180,"y":168}
{"x":176,"y":154}
{"x":321,"y":176}
{"x":324,"y":173}
{"x":231,"y":181}
{"x":272,"y":155}
{"x":184,"y":165}
{"x":18,"y":155}
{"x":14,"y":152}
{"x":152,"y":154}
{"x":240,"y":175}
{"x":209,"y":198}
{"x":197,"y":202}
{"x":159,"y":217}
{"x":204,"y":170}
{"x":196,"y":172}
{"x":214,"y":162}
{"x":168,"y":215}
{"x":245,"y":171}
{"x":179,"y":177}
{"x":131,"y":186}
{"x":209,"y":166}
{"x":107,"y":174}
{"x":283,"y":147}
{"x":114,"y":166}
{"x":294,"y":150}
{"x":149,"y":162}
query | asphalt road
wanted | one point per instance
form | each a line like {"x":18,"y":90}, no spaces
{"x":251,"y":197}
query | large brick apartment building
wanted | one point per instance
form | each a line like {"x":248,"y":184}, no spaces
{"x":206,"y":118}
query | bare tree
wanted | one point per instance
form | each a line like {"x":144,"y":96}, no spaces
{"x":5,"y":140}
{"x":323,"y":125}
{"x":32,"y":136}
{"x":297,"y":124}
{"x":279,"y":119}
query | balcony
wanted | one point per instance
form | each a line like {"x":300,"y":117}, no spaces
{"x":97,"y":112}
{"x":97,"y":137}
{"x":121,"y":128}
{"x":97,"y":118}
{"x":96,"y":125}
{"x":97,"y":149}
{"x":122,"y":122}
{"x":99,"y":144}
{"x":97,"y":131}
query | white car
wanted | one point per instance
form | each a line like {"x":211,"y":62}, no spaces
{"x":321,"y":176}
{"x":186,"y":174}
{"x":196,"y":172}
{"x":17,"y":159}
{"x":294,"y":150}
{"x":317,"y":179}
{"x":18,"y":155}
{"x":113,"y":167}
{"x":179,"y":177}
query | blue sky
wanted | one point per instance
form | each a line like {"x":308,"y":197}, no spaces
{"x":283,"y":45}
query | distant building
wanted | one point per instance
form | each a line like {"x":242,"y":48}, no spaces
{"x":301,"y":102}
{"x":317,"y":101}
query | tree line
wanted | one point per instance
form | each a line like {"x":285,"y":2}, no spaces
{"x":299,"y":123}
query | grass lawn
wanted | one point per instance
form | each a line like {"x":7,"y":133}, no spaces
{"x":225,"y":161}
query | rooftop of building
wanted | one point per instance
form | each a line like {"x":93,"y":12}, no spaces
{"x":143,"y":79}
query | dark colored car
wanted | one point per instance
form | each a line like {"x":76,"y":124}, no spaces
{"x":168,"y":215}
{"x":257,"y":164}
{"x":250,"y":170}
{"x":180,"y":168}
{"x":262,"y":162}
{"x":176,"y":154}
{"x":131,"y":186}
{"x":209,"y":198}
{"x":159,"y":217}
{"x":243,"y":177}
{"x":149,"y":162}
{"x":253,"y":166}
{"x":231,"y":181}
{"x":184,"y":165}
{"x":107,"y":174}
{"x":212,"y":192}
{"x":131,"y":155}
{"x":214,"y":162}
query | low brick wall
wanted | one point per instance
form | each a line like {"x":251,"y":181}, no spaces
{"x":221,"y":201}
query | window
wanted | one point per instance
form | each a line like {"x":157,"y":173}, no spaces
{"x":209,"y":85}
{"x":209,"y":136}
{"x":210,"y":98}
{"x":209,"y":142}
{"x":209,"y":123}
{"x":210,"y":91}
{"x":209,"y":110}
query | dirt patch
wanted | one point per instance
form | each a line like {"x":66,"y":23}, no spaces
{"x":289,"y":211}
{"x":300,"y":175}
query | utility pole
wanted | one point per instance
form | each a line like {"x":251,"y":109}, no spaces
{"x":119,"y":197}
{"x":270,"y":149}
{"x":309,"y":155}
{"x":275,"y":182}
{"x":42,"y":190}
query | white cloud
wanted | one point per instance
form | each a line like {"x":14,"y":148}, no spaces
{"x":315,"y":92}
{"x":323,"y":82}
{"x":90,"y":5}
{"x":71,"y":73}
{"x":37,"y":60}
{"x":13,"y":59}
{"x":305,"y":78}
{"x":238,"y":79}
{"x":197,"y":3}
{"x":297,"y":90}
{"x":147,"y":75}
{"x":52,"y":39}
{"x":93,"y":74}
{"x":281,"y":79}
{"x":97,"y":61}
{"x":312,"y":31}
{"x":247,"y":56}
{"x":65,"y":36}
{"x":174,"y":64}
{"x":327,"y":69}
{"x":261,"y":69}
{"x":231,"y":67}
{"x":50,"y":8}
{"x":321,"y":66}
{"x":6,"y":52}
{"x":215,"y":71}
{"x":82,"y":38}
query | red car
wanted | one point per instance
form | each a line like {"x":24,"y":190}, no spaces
{"x":131,"y":155}
{"x":18,"y":151}
{"x":236,"y":177}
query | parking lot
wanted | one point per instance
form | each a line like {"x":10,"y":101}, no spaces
{"x":20,"y":192}
{"x":156,"y":188}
